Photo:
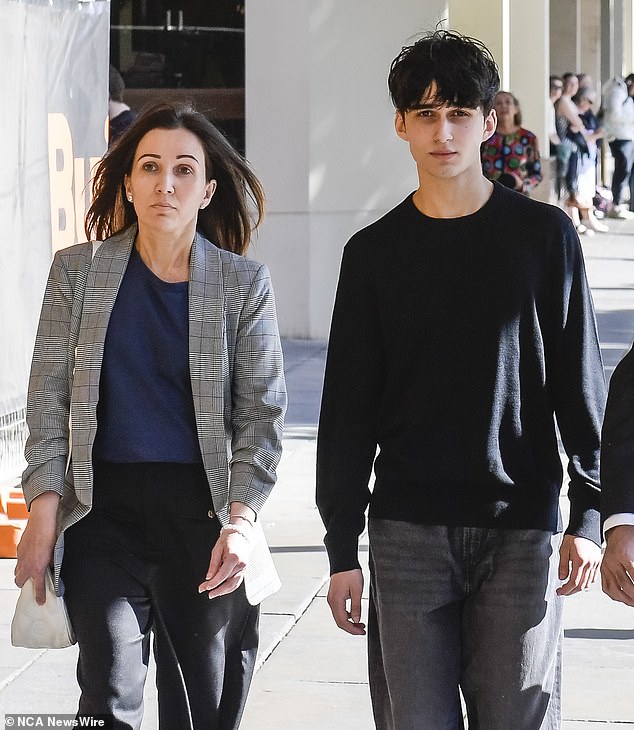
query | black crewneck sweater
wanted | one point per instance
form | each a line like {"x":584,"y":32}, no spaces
{"x":454,"y":343}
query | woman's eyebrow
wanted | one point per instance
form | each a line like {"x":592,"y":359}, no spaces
{"x":158,"y":157}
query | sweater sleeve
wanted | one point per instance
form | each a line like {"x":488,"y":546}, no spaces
{"x":578,"y":389}
{"x":347,"y":438}
{"x":617,"y":455}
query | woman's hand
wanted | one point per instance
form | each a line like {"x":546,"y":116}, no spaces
{"x":228,"y":561}
{"x":35,"y":549}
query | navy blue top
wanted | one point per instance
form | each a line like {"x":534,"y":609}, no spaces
{"x":146,"y":409}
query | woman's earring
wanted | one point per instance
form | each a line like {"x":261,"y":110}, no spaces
{"x":130,"y":197}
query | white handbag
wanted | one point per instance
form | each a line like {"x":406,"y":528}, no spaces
{"x":41,"y":627}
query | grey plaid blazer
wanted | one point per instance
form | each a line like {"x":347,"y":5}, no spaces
{"x":236,"y":371}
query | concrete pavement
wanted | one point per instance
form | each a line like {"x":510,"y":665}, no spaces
{"x":311,"y":675}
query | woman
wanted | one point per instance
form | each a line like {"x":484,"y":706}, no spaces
{"x":572,"y":146}
{"x":585,"y":219}
{"x":120,"y":116}
{"x":556,"y":89}
{"x":170,"y":369}
{"x":511,"y":155}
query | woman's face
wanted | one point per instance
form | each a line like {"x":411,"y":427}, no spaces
{"x":571,"y":85}
{"x":504,"y":105}
{"x":167,"y":182}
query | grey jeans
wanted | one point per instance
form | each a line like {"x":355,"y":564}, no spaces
{"x":462,"y":608}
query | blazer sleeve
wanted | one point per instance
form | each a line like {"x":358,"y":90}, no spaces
{"x":617,"y":453}
{"x":258,"y":397}
{"x":48,"y":399}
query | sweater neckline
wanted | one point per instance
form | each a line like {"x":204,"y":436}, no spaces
{"x":470,"y":218}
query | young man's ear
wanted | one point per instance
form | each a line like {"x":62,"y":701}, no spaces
{"x":399,"y":125}
{"x":490,"y":123}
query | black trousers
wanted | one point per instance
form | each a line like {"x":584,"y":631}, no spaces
{"x":623,"y":154}
{"x":567,"y":170}
{"x":131,"y":570}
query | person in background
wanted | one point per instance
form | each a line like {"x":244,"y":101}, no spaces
{"x":511,"y":155}
{"x":618,"y":121}
{"x":173,"y":377}
{"x":617,"y":476}
{"x":587,"y":222}
{"x":556,"y":87}
{"x":585,"y":80}
{"x":119,"y":113}
{"x":572,"y":144}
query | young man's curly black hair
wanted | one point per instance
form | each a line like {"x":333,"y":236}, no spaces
{"x":444,"y":67}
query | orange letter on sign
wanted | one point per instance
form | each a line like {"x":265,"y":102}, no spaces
{"x":60,"y":171}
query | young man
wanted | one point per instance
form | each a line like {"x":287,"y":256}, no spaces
{"x":556,"y":88}
{"x":463,"y":324}
{"x":617,"y":476}
{"x":618,"y":122}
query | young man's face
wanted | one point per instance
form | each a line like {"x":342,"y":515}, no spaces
{"x":445,"y":140}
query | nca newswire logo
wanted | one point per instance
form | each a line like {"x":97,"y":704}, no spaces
{"x":95,"y":721}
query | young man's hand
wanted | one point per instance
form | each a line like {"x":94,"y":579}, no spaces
{"x":617,"y":571}
{"x":345,"y":590}
{"x":579,"y":560}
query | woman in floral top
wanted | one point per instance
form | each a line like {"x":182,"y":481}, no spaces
{"x":511,"y":155}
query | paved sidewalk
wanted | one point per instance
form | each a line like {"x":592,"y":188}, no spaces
{"x":312,"y":676}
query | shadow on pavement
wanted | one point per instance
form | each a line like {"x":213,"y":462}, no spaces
{"x":602,"y":634}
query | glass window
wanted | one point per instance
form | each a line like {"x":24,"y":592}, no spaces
{"x":192,"y":50}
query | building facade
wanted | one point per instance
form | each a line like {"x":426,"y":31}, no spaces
{"x":299,"y":85}
{"x":319,"y":124}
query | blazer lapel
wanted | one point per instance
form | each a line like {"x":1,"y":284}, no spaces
{"x":102,"y":286}
{"x":209,"y":370}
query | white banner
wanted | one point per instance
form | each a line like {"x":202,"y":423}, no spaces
{"x":55,"y":104}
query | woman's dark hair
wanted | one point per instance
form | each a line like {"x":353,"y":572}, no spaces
{"x":461,"y":69}
{"x":227,"y":221}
